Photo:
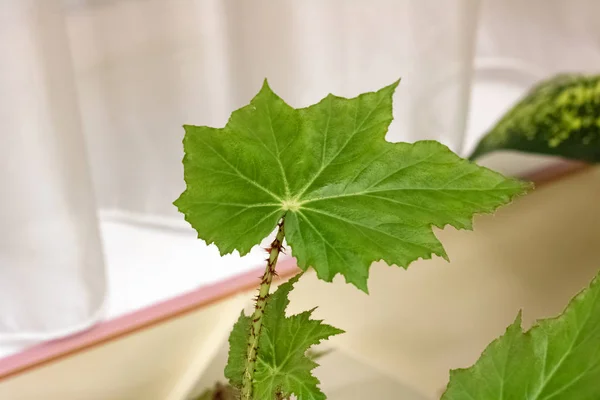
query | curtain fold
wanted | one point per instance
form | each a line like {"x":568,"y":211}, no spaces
{"x":51,"y":266}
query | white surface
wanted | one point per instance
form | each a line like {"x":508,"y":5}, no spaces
{"x":147,"y":265}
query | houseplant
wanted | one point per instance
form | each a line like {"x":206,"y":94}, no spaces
{"x":559,"y":116}
{"x":341,"y":197}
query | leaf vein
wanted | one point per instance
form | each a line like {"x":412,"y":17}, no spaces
{"x":355,"y":132}
{"x":351,"y":222}
{"x":239,"y":173}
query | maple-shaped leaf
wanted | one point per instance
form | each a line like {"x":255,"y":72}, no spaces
{"x":560,"y":116}
{"x":347,"y":195}
{"x":283,"y":365}
{"x":558,"y":359}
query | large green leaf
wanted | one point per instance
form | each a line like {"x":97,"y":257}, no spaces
{"x":557,"y":359}
{"x":560,"y":116}
{"x":283,"y":365}
{"x":348,"y":197}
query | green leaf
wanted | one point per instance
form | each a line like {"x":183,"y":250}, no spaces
{"x":348,"y":197}
{"x":557,"y":359}
{"x":560,"y":116}
{"x":238,"y":347}
{"x":283,"y":365}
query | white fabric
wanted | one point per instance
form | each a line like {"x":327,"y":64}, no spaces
{"x":51,"y":268}
{"x":143,"y":68}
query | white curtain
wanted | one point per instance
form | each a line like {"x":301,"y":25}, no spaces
{"x":93,"y":95}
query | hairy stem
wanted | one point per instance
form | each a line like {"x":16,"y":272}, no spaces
{"x":259,"y":309}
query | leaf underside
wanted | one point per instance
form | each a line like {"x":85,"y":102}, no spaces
{"x":283,"y":365}
{"x":558,"y":359}
{"x":560,"y":116}
{"x":348,"y":196}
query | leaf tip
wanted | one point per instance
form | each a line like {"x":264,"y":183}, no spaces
{"x":265,"y":93}
{"x":265,"y":82}
{"x":519,"y":318}
{"x":178,"y":200}
{"x":292,"y":281}
{"x":265,"y":86}
{"x":442,"y":253}
{"x":392,"y":87}
{"x":187,"y":127}
{"x":526,"y":186}
{"x":360,"y":285}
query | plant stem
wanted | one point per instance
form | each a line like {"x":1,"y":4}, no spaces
{"x":259,"y":309}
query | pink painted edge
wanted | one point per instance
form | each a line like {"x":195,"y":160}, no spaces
{"x":554,"y":171}
{"x":134,"y":321}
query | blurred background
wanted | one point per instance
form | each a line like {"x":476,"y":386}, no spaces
{"x":93,"y":94}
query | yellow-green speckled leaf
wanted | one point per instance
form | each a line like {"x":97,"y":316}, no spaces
{"x":348,"y":197}
{"x":560,"y":116}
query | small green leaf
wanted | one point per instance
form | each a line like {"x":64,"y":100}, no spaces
{"x":238,"y":347}
{"x":283,"y":365}
{"x":560,"y":116}
{"x":557,"y":359}
{"x":348,"y":196}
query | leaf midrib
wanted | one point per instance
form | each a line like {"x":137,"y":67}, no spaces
{"x":238,"y":172}
{"x":355,"y":131}
{"x":278,"y":156}
{"x":495,"y":188}
{"x":372,"y":228}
